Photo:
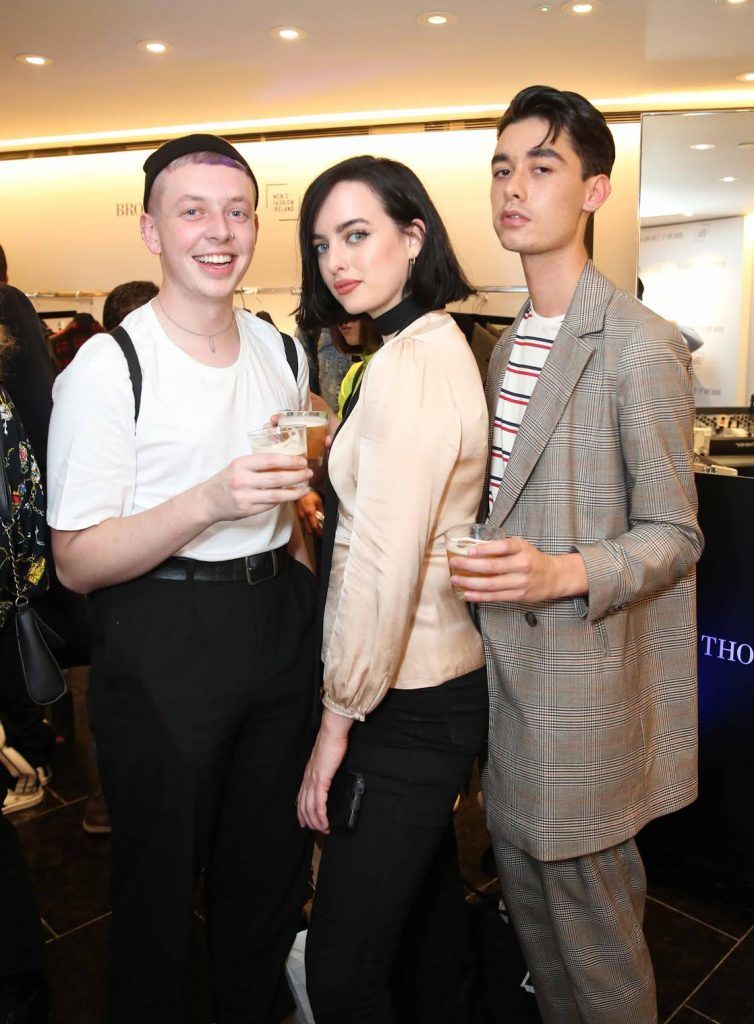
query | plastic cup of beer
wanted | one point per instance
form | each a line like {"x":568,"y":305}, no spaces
{"x":279,"y":440}
{"x":316,"y":425}
{"x":460,"y":539}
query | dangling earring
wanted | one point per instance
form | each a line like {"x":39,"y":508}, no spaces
{"x":411,"y":262}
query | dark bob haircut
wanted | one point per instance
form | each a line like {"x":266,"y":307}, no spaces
{"x":570,"y":113}
{"x":437,"y":277}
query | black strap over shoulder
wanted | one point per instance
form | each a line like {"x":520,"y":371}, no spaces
{"x":291,"y":354}
{"x":123,"y":338}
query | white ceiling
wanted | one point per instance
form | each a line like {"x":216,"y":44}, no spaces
{"x":678,"y":182}
{"x":356,"y":57}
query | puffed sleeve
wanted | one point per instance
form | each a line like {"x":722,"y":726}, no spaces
{"x":409,"y":443}
{"x":91,"y":467}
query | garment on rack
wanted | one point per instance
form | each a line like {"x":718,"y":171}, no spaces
{"x":66,"y":343}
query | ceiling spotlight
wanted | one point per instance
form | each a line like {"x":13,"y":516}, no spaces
{"x":35,"y":59}
{"x":287,"y":32}
{"x":731,"y":3}
{"x":745,"y":76}
{"x":703,"y":145}
{"x":435,"y":19}
{"x":544,"y":9}
{"x":728,"y":178}
{"x":581,"y":6}
{"x":156,"y":46}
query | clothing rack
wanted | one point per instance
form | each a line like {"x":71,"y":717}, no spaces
{"x":253,"y":290}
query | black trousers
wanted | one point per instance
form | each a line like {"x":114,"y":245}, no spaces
{"x":387,"y":938}
{"x":201,"y":704}
{"x":21,"y":934}
{"x":25,"y":730}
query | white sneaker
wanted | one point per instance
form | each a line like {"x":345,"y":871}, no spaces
{"x":15,"y":801}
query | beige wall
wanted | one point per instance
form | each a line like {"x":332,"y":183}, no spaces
{"x":71,"y":223}
{"x":616,"y":226}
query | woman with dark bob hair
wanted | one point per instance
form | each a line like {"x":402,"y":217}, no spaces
{"x":405,"y":696}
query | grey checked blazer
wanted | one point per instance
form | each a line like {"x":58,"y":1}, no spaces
{"x":593,"y":701}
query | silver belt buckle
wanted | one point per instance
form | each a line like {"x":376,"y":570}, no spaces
{"x":262,"y":579}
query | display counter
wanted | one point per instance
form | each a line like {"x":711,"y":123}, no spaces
{"x":718,"y":830}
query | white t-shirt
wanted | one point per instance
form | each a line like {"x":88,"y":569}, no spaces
{"x":193,"y":421}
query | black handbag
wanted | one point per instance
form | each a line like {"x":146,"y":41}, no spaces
{"x":45,"y":682}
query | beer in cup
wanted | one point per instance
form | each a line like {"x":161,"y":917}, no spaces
{"x":279,"y":440}
{"x":460,"y":539}
{"x":316,"y":425}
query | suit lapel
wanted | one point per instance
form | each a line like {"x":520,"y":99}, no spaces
{"x":571,"y":351}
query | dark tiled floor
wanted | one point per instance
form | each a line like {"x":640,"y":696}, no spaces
{"x":700,"y":934}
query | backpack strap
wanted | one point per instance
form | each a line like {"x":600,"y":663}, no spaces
{"x":291,"y":354}
{"x":123,"y":338}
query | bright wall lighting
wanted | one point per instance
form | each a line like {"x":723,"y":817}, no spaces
{"x":288,"y":33}
{"x":156,"y":46}
{"x":35,"y":59}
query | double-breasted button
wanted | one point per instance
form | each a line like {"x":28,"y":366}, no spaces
{"x":531,"y":618}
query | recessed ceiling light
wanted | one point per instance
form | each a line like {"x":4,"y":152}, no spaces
{"x":703,"y":145}
{"x":746,"y":145}
{"x":545,"y":8}
{"x":435,"y":19}
{"x":35,"y":59}
{"x":745,"y":76}
{"x":156,"y":46}
{"x":287,"y":32}
{"x":581,"y":7}
{"x":728,"y":178}
{"x":731,"y":3}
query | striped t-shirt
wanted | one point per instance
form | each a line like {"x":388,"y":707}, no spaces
{"x":531,"y":348}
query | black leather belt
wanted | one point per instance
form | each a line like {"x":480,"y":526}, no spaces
{"x":253,"y":569}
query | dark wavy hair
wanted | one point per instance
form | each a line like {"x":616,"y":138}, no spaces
{"x":437,"y":277}
{"x":571,"y":113}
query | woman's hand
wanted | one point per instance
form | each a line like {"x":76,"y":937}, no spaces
{"x":310,"y":511}
{"x":326,"y":757}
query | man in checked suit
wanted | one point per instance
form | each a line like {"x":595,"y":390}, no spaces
{"x":587,"y":609}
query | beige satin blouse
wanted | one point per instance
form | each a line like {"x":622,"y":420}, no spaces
{"x":408,"y":464}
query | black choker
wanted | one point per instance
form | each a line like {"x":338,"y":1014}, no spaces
{"x":399,"y":317}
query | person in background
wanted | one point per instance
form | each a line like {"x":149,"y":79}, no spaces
{"x":27,"y":377}
{"x":405,"y":693}
{"x":124,"y":298}
{"x":353,"y":337}
{"x":66,"y":342}
{"x":587,"y":608}
{"x":357,"y":337}
{"x":24,"y":994}
{"x":328,"y":364}
{"x":203,"y":604}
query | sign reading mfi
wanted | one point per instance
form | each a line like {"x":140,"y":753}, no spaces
{"x":726,"y":650}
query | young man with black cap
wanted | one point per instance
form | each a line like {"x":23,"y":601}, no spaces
{"x":203,"y":603}
{"x":587,"y":609}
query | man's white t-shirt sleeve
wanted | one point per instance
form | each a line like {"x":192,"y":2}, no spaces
{"x":91,"y":456}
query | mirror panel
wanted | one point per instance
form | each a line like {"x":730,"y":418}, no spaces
{"x":696,"y":248}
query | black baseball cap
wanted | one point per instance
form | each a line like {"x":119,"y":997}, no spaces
{"x":170,"y":151}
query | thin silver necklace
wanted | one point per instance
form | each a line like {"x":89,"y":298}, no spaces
{"x":198,"y":334}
